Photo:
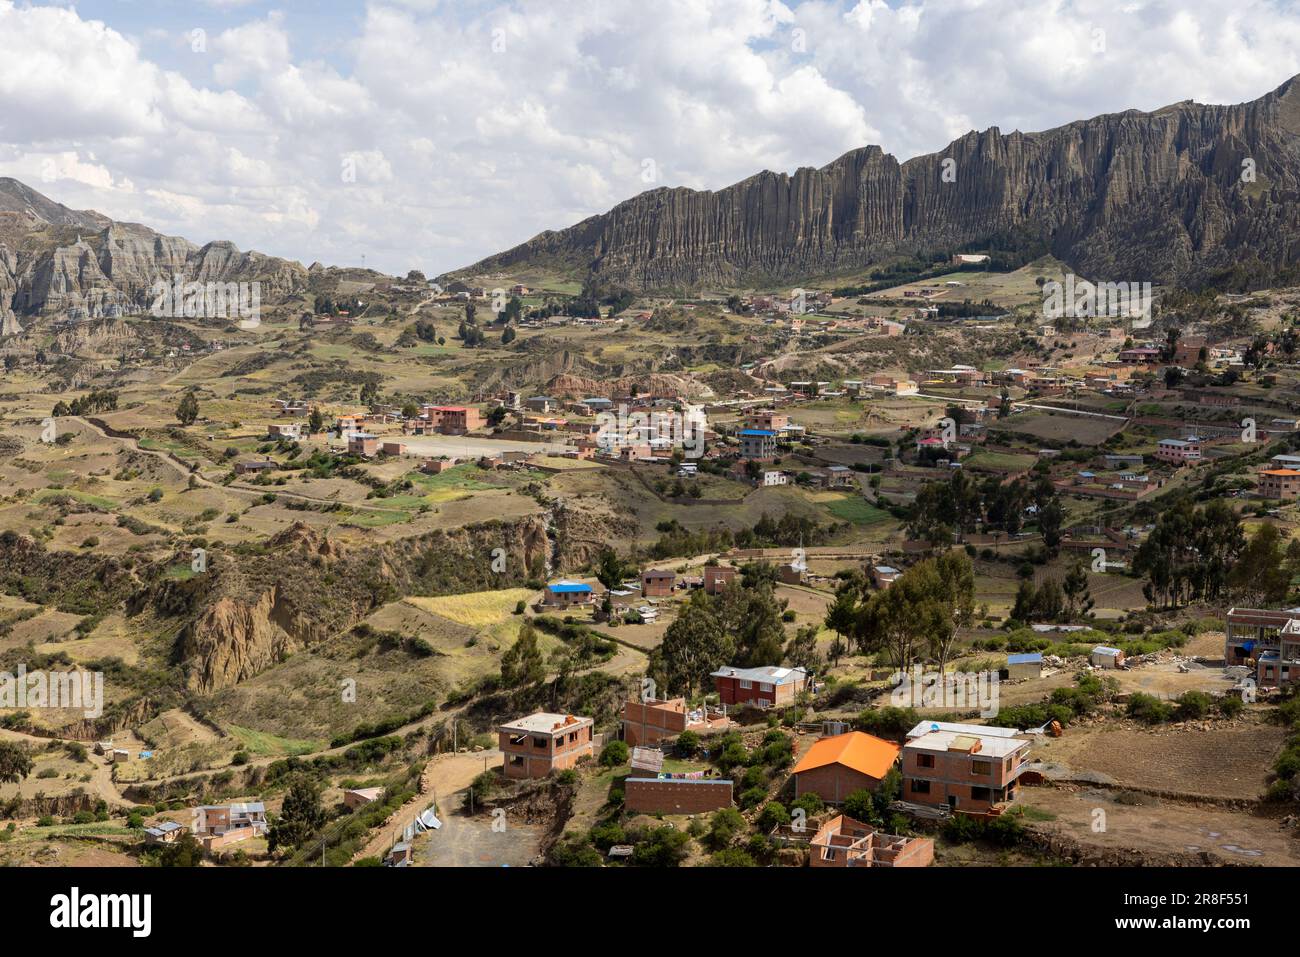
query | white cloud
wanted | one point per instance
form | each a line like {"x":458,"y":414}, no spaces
{"x":461,"y":151}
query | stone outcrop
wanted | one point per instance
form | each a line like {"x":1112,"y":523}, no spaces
{"x":59,"y":262}
{"x":1185,"y":193}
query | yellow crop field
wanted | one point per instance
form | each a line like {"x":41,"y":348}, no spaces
{"x":475,"y":610}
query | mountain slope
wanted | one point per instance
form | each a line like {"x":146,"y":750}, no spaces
{"x":60,"y":262}
{"x":1124,"y":196}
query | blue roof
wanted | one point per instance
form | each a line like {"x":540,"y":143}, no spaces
{"x":1025,"y":659}
{"x":1104,"y":650}
{"x":762,"y":432}
{"x":568,"y":587}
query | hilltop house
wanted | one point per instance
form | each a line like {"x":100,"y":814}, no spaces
{"x":761,"y":687}
{"x":963,"y":767}
{"x":540,"y":743}
{"x":837,"y":766}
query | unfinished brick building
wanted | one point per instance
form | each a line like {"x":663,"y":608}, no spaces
{"x":541,"y":743}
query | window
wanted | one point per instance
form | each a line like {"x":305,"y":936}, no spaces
{"x":920,"y":787}
{"x":925,"y":760}
{"x":982,"y":768}
{"x":765,"y":688}
{"x":746,"y":684}
{"x":539,"y":742}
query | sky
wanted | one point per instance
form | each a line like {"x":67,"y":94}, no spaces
{"x":427,"y":134}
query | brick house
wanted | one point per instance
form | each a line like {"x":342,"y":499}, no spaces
{"x":217,"y":825}
{"x":718,"y":577}
{"x":844,"y":842}
{"x":651,"y":721}
{"x":255,"y":468}
{"x":364,"y":444}
{"x":541,"y":743}
{"x":758,"y":444}
{"x":360,"y":797}
{"x":657,"y":583}
{"x":1268,"y":641}
{"x":1280,"y":484}
{"x":565,"y":594}
{"x":454,"y":419}
{"x":1179,"y":451}
{"x":837,"y":766}
{"x":963,"y":769}
{"x":762,"y":687}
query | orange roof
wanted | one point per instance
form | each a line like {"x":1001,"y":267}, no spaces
{"x":1280,"y":472}
{"x":861,"y":752}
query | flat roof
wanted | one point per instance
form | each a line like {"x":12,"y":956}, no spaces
{"x":987,"y":731}
{"x":544,"y":722}
{"x":1027,"y":658}
{"x":562,"y":587}
{"x":759,"y":432}
{"x":992,"y":745}
{"x":770,"y":674}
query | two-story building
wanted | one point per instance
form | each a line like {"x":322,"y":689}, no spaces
{"x":1267,"y":641}
{"x":1179,"y":451}
{"x":651,"y":721}
{"x":541,"y":743}
{"x":758,"y":444}
{"x":963,"y":767}
{"x":766,"y":687}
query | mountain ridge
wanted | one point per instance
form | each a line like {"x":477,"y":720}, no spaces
{"x":1134,"y":195}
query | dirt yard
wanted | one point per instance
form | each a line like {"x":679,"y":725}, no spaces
{"x":1156,"y":826}
{"x":1229,"y":761}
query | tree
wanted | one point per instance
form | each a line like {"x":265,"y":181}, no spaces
{"x":839,"y":617}
{"x":301,"y":815}
{"x":802,"y":651}
{"x":1078,"y":596}
{"x":508,"y":336}
{"x":612,"y":570}
{"x":694,"y":646}
{"x":315,"y":422}
{"x":185,"y":851}
{"x":522,"y":664}
{"x":15,"y":763}
{"x":188,"y":410}
{"x":1261,"y":576}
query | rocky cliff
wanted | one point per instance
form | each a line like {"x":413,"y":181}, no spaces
{"x":55,"y":261}
{"x":1188,"y":192}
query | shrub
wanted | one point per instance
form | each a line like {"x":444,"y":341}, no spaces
{"x":752,"y":797}
{"x":688,"y":744}
{"x":1149,"y":709}
{"x":1193,"y":704}
{"x":773,"y":815}
{"x":732,"y":857}
{"x":724,"y":825}
{"x":613,"y":754}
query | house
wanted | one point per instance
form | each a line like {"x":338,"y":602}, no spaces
{"x":767,"y":421}
{"x":255,"y":468}
{"x":657,"y":583}
{"x":401,"y":855}
{"x":1266,"y":641}
{"x":1283,"y":485}
{"x":1285,"y":462}
{"x":360,"y":797}
{"x":844,"y":842}
{"x":1028,"y":665}
{"x":165,"y":833}
{"x":454,"y":419}
{"x":392,"y":448}
{"x":766,"y":687}
{"x":363,"y":444}
{"x":757,"y":443}
{"x":884,"y":575}
{"x":217,"y":825}
{"x":1179,"y":451}
{"x":541,"y":743}
{"x":651,"y":721}
{"x":290,"y":432}
{"x":791,"y":573}
{"x":835,"y":767}
{"x":1106,"y":657}
{"x":565,"y":594}
{"x":540,"y":403}
{"x":963,"y":770}
{"x":436,"y":466}
{"x":718,"y":577}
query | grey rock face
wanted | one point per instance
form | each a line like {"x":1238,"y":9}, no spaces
{"x":1181,"y":194}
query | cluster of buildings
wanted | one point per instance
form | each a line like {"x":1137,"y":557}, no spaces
{"x":215,"y":825}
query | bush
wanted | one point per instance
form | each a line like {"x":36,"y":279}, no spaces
{"x":732,"y":857}
{"x":663,"y":847}
{"x":613,"y":754}
{"x":887,"y":721}
{"x":724,"y":826}
{"x":753,"y":797}
{"x":774,"y":814}
{"x":1193,"y":705}
{"x":1149,"y":709}
{"x":688,"y":744}
{"x":1230,"y":705}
